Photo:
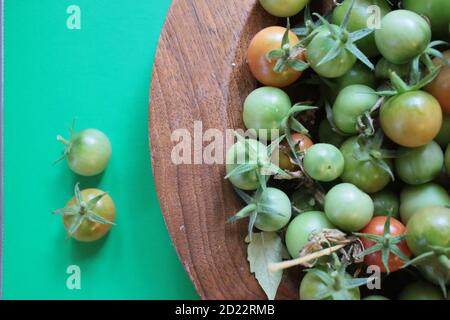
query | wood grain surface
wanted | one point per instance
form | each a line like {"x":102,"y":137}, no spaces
{"x":200,"y":74}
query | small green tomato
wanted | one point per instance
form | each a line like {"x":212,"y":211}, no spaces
{"x":87,"y":152}
{"x":323,"y":162}
{"x":348,"y":208}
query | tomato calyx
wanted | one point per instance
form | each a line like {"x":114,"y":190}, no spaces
{"x":290,"y":124}
{"x":66,"y":143}
{"x":425,"y":58}
{"x":365,"y":123}
{"x":309,"y":25}
{"x":254,"y":207}
{"x":344,"y":40}
{"x":287,"y":56}
{"x":82,"y":210}
{"x":386,"y":244}
{"x":263,"y":167}
{"x":336,"y":279}
{"x":400,"y":86}
{"x":370,"y":149}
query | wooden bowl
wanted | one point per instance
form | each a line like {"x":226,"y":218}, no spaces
{"x":200,"y":74}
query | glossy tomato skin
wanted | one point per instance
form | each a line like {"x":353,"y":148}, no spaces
{"x":301,"y":227}
{"x":432,"y":270}
{"x":358,"y":20}
{"x":89,"y":154}
{"x":386,"y":202}
{"x":312,"y":287}
{"x":419,"y":165}
{"x":403,"y":36}
{"x":236,"y":155}
{"x":279,"y":201}
{"x":411,"y":119}
{"x":327,"y":135}
{"x":265,"y":41}
{"x":348,"y":208}
{"x":429,"y":228}
{"x":323,"y":162}
{"x":358,"y":74}
{"x":363,"y":174}
{"x":443,"y":138}
{"x":420,"y":291}
{"x":91,"y":231}
{"x":423,"y":196}
{"x":283,"y":8}
{"x":440,"y":87}
{"x":351,"y":103}
{"x":316,"y":50}
{"x":302,"y":143}
{"x":437,"y":12}
{"x":264,"y":109}
{"x":376,"y":227}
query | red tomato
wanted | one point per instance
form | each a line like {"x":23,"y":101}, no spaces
{"x":265,"y":41}
{"x":440,"y":87}
{"x":376,"y":227}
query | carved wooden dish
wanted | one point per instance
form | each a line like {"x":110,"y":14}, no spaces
{"x":200,"y":74}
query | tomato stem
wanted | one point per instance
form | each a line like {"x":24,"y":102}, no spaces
{"x":62,"y":140}
{"x":274,"y":267}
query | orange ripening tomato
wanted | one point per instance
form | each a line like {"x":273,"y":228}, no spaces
{"x":440,"y":87}
{"x":263,"y":42}
{"x":302,"y":142}
{"x":376,"y":227}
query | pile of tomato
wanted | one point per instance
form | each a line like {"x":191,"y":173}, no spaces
{"x":365,"y":153}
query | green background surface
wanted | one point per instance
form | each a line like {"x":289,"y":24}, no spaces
{"x":100,"y":75}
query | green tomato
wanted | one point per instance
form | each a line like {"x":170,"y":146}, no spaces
{"x":239,"y":154}
{"x":433,"y":270}
{"x":303,"y":201}
{"x":447,"y":159}
{"x":359,"y":19}
{"x":384,"y":68}
{"x":386,"y":202}
{"x":443,"y":138}
{"x":419,"y":165}
{"x":429,"y":230}
{"x":300,"y":229}
{"x":351,"y":103}
{"x":403,"y":36}
{"x":348,"y":208}
{"x":88,"y":152}
{"x":319,"y":47}
{"x":358,"y":74}
{"x":323,"y":162}
{"x":283,"y":8}
{"x":427,"y":195}
{"x":437,"y":12}
{"x":278,"y":201}
{"x":313,"y":288}
{"x":328,"y":135}
{"x":364,"y":174}
{"x":420,"y":291}
{"x":264,"y":110}
{"x":375,"y":297}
